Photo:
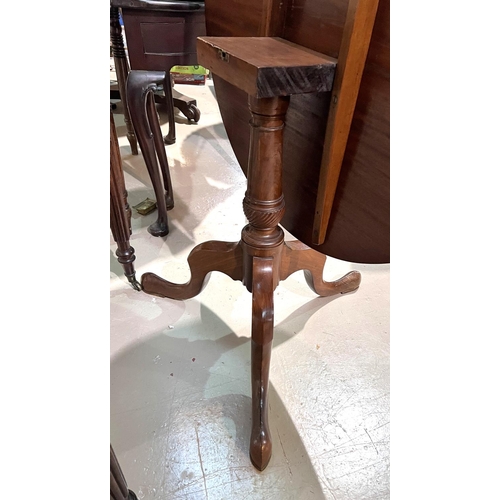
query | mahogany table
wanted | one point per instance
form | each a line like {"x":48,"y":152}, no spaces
{"x":269,"y":71}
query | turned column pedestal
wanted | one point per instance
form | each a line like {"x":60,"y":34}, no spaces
{"x":269,"y":70}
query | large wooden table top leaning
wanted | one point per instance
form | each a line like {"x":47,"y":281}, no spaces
{"x":336,"y":142}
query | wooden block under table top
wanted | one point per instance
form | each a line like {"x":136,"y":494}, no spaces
{"x":266,"y":67}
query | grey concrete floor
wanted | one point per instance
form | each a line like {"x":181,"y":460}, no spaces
{"x":180,"y":371}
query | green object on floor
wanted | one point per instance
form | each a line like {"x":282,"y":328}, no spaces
{"x":193,"y":75}
{"x":145,"y":207}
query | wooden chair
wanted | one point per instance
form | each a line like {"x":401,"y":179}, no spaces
{"x":160,"y":35}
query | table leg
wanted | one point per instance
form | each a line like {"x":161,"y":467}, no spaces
{"x":120,"y":211}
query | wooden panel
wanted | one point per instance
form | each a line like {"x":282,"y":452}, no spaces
{"x":316,"y":24}
{"x":159,"y":40}
{"x":358,"y":229}
{"x":236,"y":117}
{"x":163,"y":38}
{"x":352,"y":57}
{"x":245,"y":18}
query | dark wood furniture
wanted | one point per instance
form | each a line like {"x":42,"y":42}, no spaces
{"x":336,"y":143}
{"x":122,"y":70}
{"x":141,"y":88}
{"x":120,"y":213}
{"x":268,"y":70}
{"x":117,"y":484}
{"x":160,"y":35}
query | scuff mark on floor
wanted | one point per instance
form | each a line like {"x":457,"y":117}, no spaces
{"x":284,"y":453}
{"x":371,"y":441}
{"x":201,"y":462}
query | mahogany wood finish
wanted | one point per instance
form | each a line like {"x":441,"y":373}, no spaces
{"x":353,"y":51}
{"x":117,"y":483}
{"x":120,"y":213}
{"x":299,"y":257}
{"x":263,"y":269}
{"x":160,"y":35}
{"x":122,"y":69}
{"x":167,"y":33}
{"x":210,"y":256}
{"x":259,"y":73}
{"x":141,"y":86}
{"x":261,"y":258}
{"x":358,"y":225}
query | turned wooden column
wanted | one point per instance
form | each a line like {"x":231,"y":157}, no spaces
{"x":264,"y":204}
{"x":122,"y":70}
{"x":120,"y":213}
{"x":262,"y":242}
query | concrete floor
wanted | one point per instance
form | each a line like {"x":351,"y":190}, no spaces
{"x":180,"y":371}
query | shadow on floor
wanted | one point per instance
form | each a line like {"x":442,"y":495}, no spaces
{"x":181,"y":406}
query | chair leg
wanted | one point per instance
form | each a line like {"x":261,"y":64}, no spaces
{"x":141,"y":86}
{"x":162,"y":155}
{"x":169,"y":103}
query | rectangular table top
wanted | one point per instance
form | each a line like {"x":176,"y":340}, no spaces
{"x":266,"y":66}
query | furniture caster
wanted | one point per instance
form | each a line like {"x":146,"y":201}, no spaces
{"x":193,"y":113}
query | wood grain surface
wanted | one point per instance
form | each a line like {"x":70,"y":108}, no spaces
{"x":358,"y":229}
{"x":266,"y":67}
